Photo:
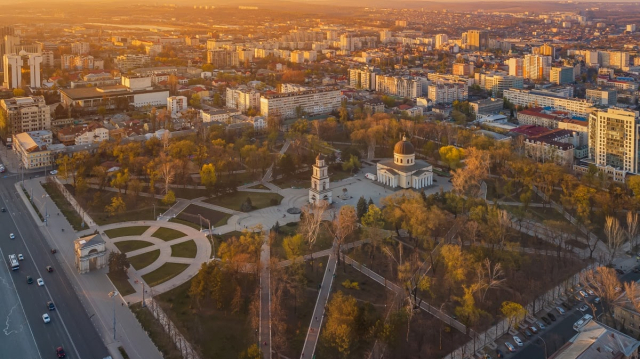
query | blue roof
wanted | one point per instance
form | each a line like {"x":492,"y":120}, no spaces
{"x":578,"y":118}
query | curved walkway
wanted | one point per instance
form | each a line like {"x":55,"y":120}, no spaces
{"x":202,"y":256}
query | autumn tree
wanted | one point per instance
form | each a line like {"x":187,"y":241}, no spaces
{"x":342,"y":226}
{"x":117,"y":206}
{"x":615,"y":235}
{"x":451,"y":155}
{"x":293,"y":246}
{"x":208,"y":176}
{"x":514,"y":312}
{"x":169,"y":198}
{"x":121,"y":180}
{"x":339,"y":331}
{"x":310,"y":221}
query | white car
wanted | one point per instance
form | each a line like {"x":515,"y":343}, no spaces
{"x":20,"y":257}
{"x":560,"y":310}
{"x":518,"y":340}
{"x":54,"y":172}
{"x":510,"y":346}
{"x":540,"y":325}
{"x":46,"y":318}
{"x":584,"y":294}
{"x":40,"y":282}
{"x":12,"y":236}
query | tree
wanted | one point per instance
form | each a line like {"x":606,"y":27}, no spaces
{"x":361,"y":207}
{"x":615,"y":236}
{"x":310,"y":221}
{"x":169,"y":198}
{"x":514,"y":312}
{"x":208,"y":176}
{"x":342,"y":226}
{"x":455,"y":261}
{"x":102,"y":111}
{"x":253,"y":352}
{"x":135,"y":187}
{"x":351,"y":164}
{"x":117,"y":206}
{"x":118,"y":264}
{"x":633,"y":223}
{"x":451,"y":155}
{"x":121,"y":180}
{"x":18,"y":92}
{"x":339,"y":331}
{"x":293,"y":246}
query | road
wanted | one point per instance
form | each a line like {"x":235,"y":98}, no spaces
{"x":70,"y":327}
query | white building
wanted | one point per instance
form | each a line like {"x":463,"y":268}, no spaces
{"x":218,"y":115}
{"x":80,"y":48}
{"x":91,"y":253}
{"x":176,"y":104}
{"x":33,"y":149}
{"x":614,"y":139}
{"x":577,"y":107}
{"x":320,"y":186}
{"x":26,"y":114}
{"x":399,"y":86}
{"x":498,"y":82}
{"x":404,"y":170}
{"x":446,"y":93}
{"x":312,"y":102}
{"x":125,"y":63}
{"x":243,"y":98}
{"x":12,"y":65}
{"x":95,"y":135}
{"x":363,"y":78}
{"x":536,"y":67}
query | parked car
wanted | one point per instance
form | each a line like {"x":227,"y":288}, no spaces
{"x":12,"y":236}
{"x":546,"y":320}
{"x":597,"y":300}
{"x":20,"y":257}
{"x":499,"y":353}
{"x":551,"y":316}
{"x":518,"y":341}
{"x":4,"y":209}
{"x":510,"y":347}
{"x":49,"y":269}
{"x":54,"y":172}
{"x":584,"y":294}
{"x":560,"y":310}
{"x":567,"y":305}
{"x":636,"y":269}
{"x":590,"y":292}
{"x":619,"y":271}
{"x":40,"y":282}
{"x":577,"y":297}
{"x":533,"y":329}
{"x":584,"y":308}
{"x":539,"y":323}
{"x":527,"y":333}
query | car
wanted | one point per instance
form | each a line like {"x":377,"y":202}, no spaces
{"x":551,"y":316}
{"x":619,"y":271}
{"x":560,"y":310}
{"x":546,"y":320}
{"x":567,"y":305}
{"x":584,"y":308}
{"x":527,"y":333}
{"x":597,"y":300}
{"x":51,"y":306}
{"x":510,"y":347}
{"x":60,"y":352}
{"x":40,"y":282}
{"x":54,"y":172}
{"x":636,"y":270}
{"x":499,"y":353}
{"x":12,"y":236}
{"x":29,"y":280}
{"x":584,"y":294}
{"x":577,"y":297}
{"x":46,"y":318}
{"x":49,"y":269}
{"x":590,"y":292}
{"x":533,"y":329}
{"x":539,"y":323}
{"x":518,"y":340}
{"x":20,"y":257}
{"x":4,"y":209}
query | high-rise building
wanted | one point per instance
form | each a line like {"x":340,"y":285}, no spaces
{"x":243,"y":99}
{"x":446,"y":93}
{"x":176,"y":104}
{"x":631,"y":28}
{"x":441,"y":39}
{"x":221,"y":58}
{"x":545,"y":50}
{"x":602,"y":96}
{"x":80,"y":48}
{"x":614,"y":138}
{"x":536,"y":67}
{"x":498,"y":82}
{"x":26,"y":114}
{"x":399,"y":86}
{"x":13,"y":69}
{"x":463,"y":69}
{"x":477,"y":40}
{"x":363,"y":78}
{"x":347,"y":42}
{"x":515,"y":66}
{"x":386,"y":36}
{"x":561,"y":75}
{"x":4,"y":32}
{"x":312,"y":102}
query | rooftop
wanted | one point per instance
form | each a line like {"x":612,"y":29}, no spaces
{"x":597,"y":341}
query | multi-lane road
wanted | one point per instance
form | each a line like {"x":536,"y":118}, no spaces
{"x":24,"y":334}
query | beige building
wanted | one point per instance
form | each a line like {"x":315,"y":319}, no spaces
{"x":446,"y":93}
{"x":91,"y":253}
{"x":597,"y":341}
{"x":536,"y":67}
{"x":463,"y":69}
{"x":320,"y":185}
{"x":25,"y":114}
{"x":497,"y":83}
{"x":312,"y":102}
{"x":404,"y":170}
{"x":614,"y":139}
{"x":32,"y":148}
{"x":577,"y":107}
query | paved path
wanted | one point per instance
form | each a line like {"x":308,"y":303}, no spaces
{"x":265,"y":297}
{"x":267,"y":176}
{"x":313,"y":333}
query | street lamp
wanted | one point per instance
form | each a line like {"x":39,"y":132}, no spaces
{"x":112,"y":295}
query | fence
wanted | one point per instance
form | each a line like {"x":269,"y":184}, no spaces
{"x":83,"y":214}
{"x":167,"y":325}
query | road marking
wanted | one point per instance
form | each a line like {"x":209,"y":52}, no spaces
{"x":20,"y":301}
{"x":73,"y":345}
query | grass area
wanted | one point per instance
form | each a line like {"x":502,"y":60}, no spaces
{"x":186,"y":223}
{"x":126,"y":231}
{"x":238,"y":179}
{"x":164,"y":273}
{"x":123,"y":353}
{"x":153,"y":328}
{"x":63,"y":205}
{"x":129,"y":246}
{"x":33,"y":204}
{"x":259,"y":186}
{"x":300,"y":179}
{"x":324,"y":240}
{"x":235,"y":200}
{"x":144,"y":260}
{"x":167,"y":234}
{"x":234,"y":333}
{"x":193,"y":212}
{"x":189,"y":193}
{"x":224,"y":237}
{"x":186,"y":249}
{"x":122,"y":284}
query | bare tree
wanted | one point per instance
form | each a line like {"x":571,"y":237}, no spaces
{"x":489,"y":277}
{"x":311,"y":220}
{"x":605,"y":284}
{"x":615,"y":236}
{"x":167,"y":171}
{"x":633,"y":226}
{"x":342,"y":226}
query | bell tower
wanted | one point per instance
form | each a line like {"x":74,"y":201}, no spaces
{"x":320,"y":189}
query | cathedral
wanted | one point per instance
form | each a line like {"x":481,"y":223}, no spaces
{"x":404,"y":170}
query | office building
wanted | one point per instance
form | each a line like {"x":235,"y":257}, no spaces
{"x":33,"y":149}
{"x":536,"y":67}
{"x":498,"y":82}
{"x":26,"y":114}
{"x":312,"y":102}
{"x":176,"y":104}
{"x":561,"y":75}
{"x":532,"y":98}
{"x":221,"y":58}
{"x":602,"y":96}
{"x":446,"y":93}
{"x":477,"y":40}
{"x":614,"y":139}
{"x":14,"y":67}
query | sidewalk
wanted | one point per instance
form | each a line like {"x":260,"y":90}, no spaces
{"x":92,"y":288}
{"x":265,"y":297}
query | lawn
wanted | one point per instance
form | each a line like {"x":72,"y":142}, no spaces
{"x":164,"y":273}
{"x":233,"y":331}
{"x":193,"y":212}
{"x":258,"y":200}
{"x":290,"y":229}
{"x":239,"y":179}
{"x":300,"y":179}
{"x":129,"y":246}
{"x":63,"y":205}
{"x":126,"y":231}
{"x":189,"y":193}
{"x":167,"y":234}
{"x":186,"y":223}
{"x":145,"y":259}
{"x":122,"y":284}
{"x":186,"y":249}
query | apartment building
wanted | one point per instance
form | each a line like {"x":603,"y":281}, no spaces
{"x":490,"y":106}
{"x":125,"y":63}
{"x":33,"y":149}
{"x":373,"y":106}
{"x":614,"y":140}
{"x":536,"y":67}
{"x":363,"y":78}
{"x":26,"y":114}
{"x":80,"y":48}
{"x":498,"y":83}
{"x":176,"y":104}
{"x":463,"y":69}
{"x":441,"y":40}
{"x":576,"y":107}
{"x":221,"y":58}
{"x":602,"y":96}
{"x":537,"y":117}
{"x":553,"y":146}
{"x":243,"y":99}
{"x":561,"y":75}
{"x":73,"y":62}
{"x":515,"y":66}
{"x":446,"y":93}
{"x":218,"y":115}
{"x":399,"y":86}
{"x":312,"y":102}
{"x":47,"y":58}
{"x":477,"y":40}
